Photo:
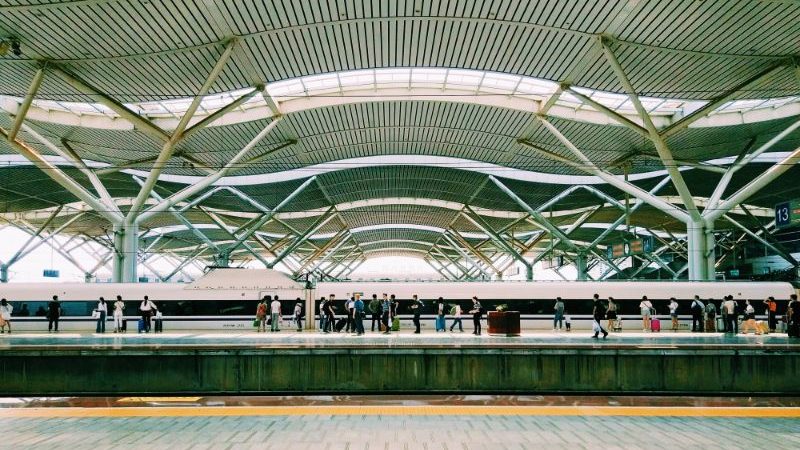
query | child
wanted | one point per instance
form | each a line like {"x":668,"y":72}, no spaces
{"x":568,"y":322}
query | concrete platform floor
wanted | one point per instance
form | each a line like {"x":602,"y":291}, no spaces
{"x":426,"y":422}
{"x":293,"y":339}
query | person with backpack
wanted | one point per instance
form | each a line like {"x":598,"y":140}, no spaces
{"x":772,"y":309}
{"x":697,"y":314}
{"x":441,"y":325}
{"x":455,"y":311}
{"x":416,"y":309}
{"x":261,"y":314}
{"x":558,"y":314}
{"x":375,"y":312}
{"x":386,"y":314}
{"x":477,"y":312}
{"x":711,"y":316}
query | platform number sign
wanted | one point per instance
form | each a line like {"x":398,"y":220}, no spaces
{"x":787,"y":214}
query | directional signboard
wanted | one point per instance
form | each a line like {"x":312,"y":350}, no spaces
{"x":637,"y":246}
{"x":787,"y":214}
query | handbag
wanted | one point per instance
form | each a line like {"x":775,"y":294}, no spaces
{"x":95,"y":314}
{"x":256,"y":323}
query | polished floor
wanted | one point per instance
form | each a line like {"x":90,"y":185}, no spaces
{"x":425,"y":422}
{"x":311,"y":339}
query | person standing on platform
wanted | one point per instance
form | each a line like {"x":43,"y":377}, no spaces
{"x":455,"y":311}
{"x":261,"y":314}
{"x":711,"y":316}
{"x":119,"y":309}
{"x":358,"y":314}
{"x":5,"y":315}
{"x":793,"y":317}
{"x":386,"y":314}
{"x":330,"y":314}
{"x":558,"y":314}
{"x":646,"y":309}
{"x":697,"y":314}
{"x":729,"y":306}
{"x":598,"y":313}
{"x":148,"y":310}
{"x":53,"y":314}
{"x":298,"y":315}
{"x":102,"y":309}
{"x":611,"y":313}
{"x":772,"y":310}
{"x":723,"y":311}
{"x":350,"y":325}
{"x":275,"y":315}
{"x":441,"y":325}
{"x":416,"y":309}
{"x":477,"y":312}
{"x":673,"y":313}
{"x":322,"y":320}
{"x":375,"y":313}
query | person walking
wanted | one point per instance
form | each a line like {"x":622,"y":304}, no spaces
{"x":455,"y":311}
{"x":375,"y":313}
{"x":330,"y":314}
{"x":611,"y":313}
{"x":148,"y":310}
{"x":697,"y":314}
{"x":673,"y":313}
{"x":53,"y":314}
{"x":477,"y":312}
{"x":711,"y":316}
{"x":646,"y":309}
{"x":386,"y":314}
{"x":102,"y":310}
{"x":441,"y":325}
{"x":416,"y":309}
{"x":772,"y":310}
{"x":275,"y":315}
{"x":598,"y":313}
{"x":298,"y":315}
{"x":119,"y":310}
{"x":261,"y":314}
{"x":358,"y":314}
{"x":5,"y":315}
{"x":558,"y":314}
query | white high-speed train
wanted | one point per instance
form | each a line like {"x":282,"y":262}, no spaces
{"x":227,"y":298}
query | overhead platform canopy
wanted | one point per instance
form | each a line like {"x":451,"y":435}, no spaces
{"x":478,"y":136}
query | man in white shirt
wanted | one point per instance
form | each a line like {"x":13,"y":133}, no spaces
{"x":457,"y":319}
{"x":351,"y":319}
{"x":732,"y":325}
{"x":275,"y":310}
{"x":697,"y":314}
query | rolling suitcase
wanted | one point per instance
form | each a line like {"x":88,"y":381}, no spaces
{"x":440,"y":324}
{"x":396,"y":324}
{"x":141,"y":325}
{"x":655,"y":325}
{"x":340,"y":325}
{"x":710,"y":326}
{"x":159,"y":326}
{"x":617,"y":325}
{"x":124,"y":326}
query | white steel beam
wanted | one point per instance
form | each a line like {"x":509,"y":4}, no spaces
{"x":22,"y":111}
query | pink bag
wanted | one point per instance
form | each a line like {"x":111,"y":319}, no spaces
{"x":655,"y":325}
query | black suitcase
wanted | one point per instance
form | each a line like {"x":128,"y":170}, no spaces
{"x":159,"y":325}
{"x":340,"y":325}
{"x":794,"y":330}
{"x":124,"y":326}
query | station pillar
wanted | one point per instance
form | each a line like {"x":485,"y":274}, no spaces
{"x":700,"y":243}
{"x":580,"y":264}
{"x":528,"y":273}
{"x":126,"y":249}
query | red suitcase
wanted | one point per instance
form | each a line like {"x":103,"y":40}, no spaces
{"x":655,"y":325}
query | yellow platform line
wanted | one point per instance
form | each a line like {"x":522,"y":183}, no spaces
{"x":397,"y":410}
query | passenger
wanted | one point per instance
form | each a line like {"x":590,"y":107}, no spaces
{"x":441,"y":325}
{"x":119,"y":309}
{"x":386,"y":313}
{"x":261,"y":314}
{"x":646,"y":308}
{"x":455,"y":311}
{"x":711,"y":316}
{"x":697,"y":314}
{"x":53,"y":314}
{"x":558,"y":317}
{"x":567,"y":321}
{"x":298,"y":314}
{"x":723,"y":311}
{"x":375,"y":313}
{"x":749,"y":321}
{"x":673,"y":313}
{"x":5,"y":315}
{"x":322,"y":319}
{"x":102,"y":309}
{"x":772,"y":309}
{"x":275,"y":315}
{"x":611,"y":313}
{"x":793,"y":317}
{"x":737,"y":309}
{"x":358,"y":314}
{"x":330,"y":314}
{"x":24,"y":311}
{"x":416,"y":309}
{"x":598,"y":313}
{"x":477,"y":312}
{"x":729,"y":306}
{"x":351,"y":323}
{"x":148,"y":310}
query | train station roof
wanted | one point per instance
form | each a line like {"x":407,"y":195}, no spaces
{"x":432,"y":129}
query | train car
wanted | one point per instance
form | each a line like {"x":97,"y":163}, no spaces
{"x":227,"y":298}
